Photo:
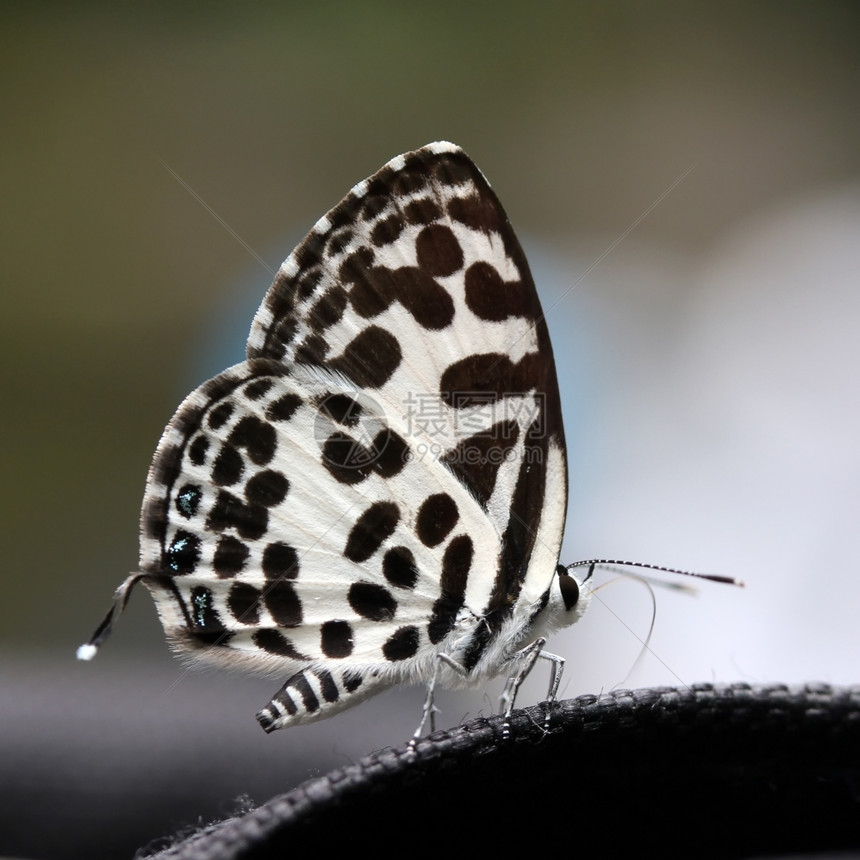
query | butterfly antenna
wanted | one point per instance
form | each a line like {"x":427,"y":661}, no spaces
{"x":120,"y":599}
{"x":592,"y":563}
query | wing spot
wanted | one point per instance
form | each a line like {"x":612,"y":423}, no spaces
{"x":370,"y":358}
{"x":492,"y":299}
{"x":386,"y":230}
{"x":230,"y":556}
{"x":280,"y":561}
{"x":250,"y":520}
{"x":283,"y":408}
{"x":374,"y":288}
{"x":372,"y":601}
{"x":243,"y":602}
{"x":198,"y":450}
{"x":398,"y":567}
{"x":342,"y":409}
{"x":256,"y":437}
{"x":372,"y":528}
{"x":329,"y":309}
{"x":183,"y":554}
{"x":307,"y":283}
{"x":339,"y":241}
{"x":402,"y":644}
{"x":267,"y":488}
{"x":422,"y":211}
{"x":336,"y":639}
{"x":439,"y":253}
{"x":283,"y":603}
{"x":475,"y":461}
{"x":188,"y":500}
{"x":220,"y":415}
{"x":392,"y":453}
{"x":479,"y":379}
{"x":474,"y":213}
{"x":408,"y":180}
{"x":258,"y":388}
{"x":204,"y":616}
{"x":375,"y":202}
{"x":274,"y":642}
{"x":228,"y":466}
{"x":437,"y":515}
{"x":313,"y":350}
{"x":455,"y":574}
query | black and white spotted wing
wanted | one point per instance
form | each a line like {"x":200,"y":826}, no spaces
{"x":383,"y":480}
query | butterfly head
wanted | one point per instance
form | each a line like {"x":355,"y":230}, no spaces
{"x":564,"y":603}
{"x":568,"y":588}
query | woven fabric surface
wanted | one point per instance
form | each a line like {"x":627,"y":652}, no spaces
{"x":707,"y":771}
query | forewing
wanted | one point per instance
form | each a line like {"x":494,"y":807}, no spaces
{"x":416,"y":290}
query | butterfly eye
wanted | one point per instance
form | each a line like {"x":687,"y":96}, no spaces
{"x":569,"y":588}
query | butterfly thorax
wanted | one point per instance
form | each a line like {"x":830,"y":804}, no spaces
{"x":485,"y":646}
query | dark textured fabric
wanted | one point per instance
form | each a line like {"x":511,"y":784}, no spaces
{"x":706,"y":771}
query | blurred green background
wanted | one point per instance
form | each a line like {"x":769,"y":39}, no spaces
{"x":581,"y":114}
{"x":708,"y":357}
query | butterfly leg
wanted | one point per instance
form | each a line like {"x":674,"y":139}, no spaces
{"x":526,"y":657}
{"x":429,"y":711}
{"x":529,"y":656}
{"x":555,"y":675}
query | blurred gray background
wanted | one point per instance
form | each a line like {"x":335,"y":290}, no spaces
{"x":708,"y":356}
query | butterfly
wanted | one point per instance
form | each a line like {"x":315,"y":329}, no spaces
{"x":376,"y":496}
